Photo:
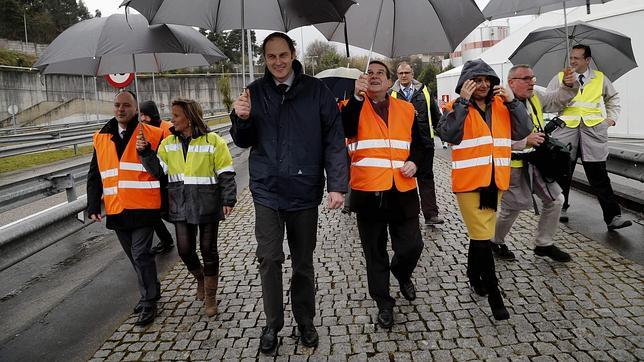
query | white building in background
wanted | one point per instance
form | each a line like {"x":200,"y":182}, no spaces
{"x":480,"y":39}
{"x":623,"y":16}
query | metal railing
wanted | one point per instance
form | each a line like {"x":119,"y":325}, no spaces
{"x":48,"y":144}
{"x":48,"y":127}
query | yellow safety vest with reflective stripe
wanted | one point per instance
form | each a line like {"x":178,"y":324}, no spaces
{"x":537,"y":120}
{"x":207,"y":157}
{"x":394,"y":94}
{"x":586,"y":105}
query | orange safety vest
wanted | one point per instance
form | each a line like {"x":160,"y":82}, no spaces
{"x":126,"y":184}
{"x":379,"y":150}
{"x":472,"y":158}
{"x":165,"y":126}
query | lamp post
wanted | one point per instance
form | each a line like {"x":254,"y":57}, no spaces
{"x":313,"y":61}
{"x":24,"y":19}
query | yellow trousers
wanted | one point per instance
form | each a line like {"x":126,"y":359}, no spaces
{"x":480,"y":223}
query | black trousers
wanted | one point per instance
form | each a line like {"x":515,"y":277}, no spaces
{"x":426,"y":186}
{"x":136,"y":243}
{"x":301,"y":231}
{"x":407,"y":245}
{"x":165,"y":238}
{"x":187,"y":246}
{"x":600,"y":184}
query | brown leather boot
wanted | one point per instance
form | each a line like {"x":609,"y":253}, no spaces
{"x":198,"y":274}
{"x":211,"y":282}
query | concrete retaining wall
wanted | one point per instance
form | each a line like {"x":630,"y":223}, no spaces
{"x":26,"y":88}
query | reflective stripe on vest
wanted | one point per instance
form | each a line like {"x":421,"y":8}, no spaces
{"x":473,"y":158}
{"x":586,"y":105}
{"x":537,"y":121}
{"x":429,"y":111}
{"x":207,"y":157}
{"x":379,"y":150}
{"x":126,"y":184}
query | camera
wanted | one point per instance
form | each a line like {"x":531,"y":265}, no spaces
{"x":553,"y":124}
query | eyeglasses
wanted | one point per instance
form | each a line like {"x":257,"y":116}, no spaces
{"x":527,"y":79}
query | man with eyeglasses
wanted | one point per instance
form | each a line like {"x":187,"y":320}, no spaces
{"x":427,"y":113}
{"x":587,"y":132}
{"x":525,"y":179}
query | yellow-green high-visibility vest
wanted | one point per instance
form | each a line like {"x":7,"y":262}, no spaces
{"x":586,"y":105}
{"x":429,"y":111}
{"x":207,"y":157}
{"x":537,"y":120}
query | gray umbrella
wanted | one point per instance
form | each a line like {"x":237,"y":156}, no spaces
{"x":106,"y":45}
{"x":545,"y":50}
{"x":497,"y":9}
{"x":113,"y":44}
{"x":398,"y":28}
{"x":219,"y":15}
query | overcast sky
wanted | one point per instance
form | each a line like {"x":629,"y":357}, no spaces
{"x":306,"y":35}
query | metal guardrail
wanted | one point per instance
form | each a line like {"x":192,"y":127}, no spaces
{"x":48,"y":127}
{"x":626,"y":163}
{"x":26,"y":237}
{"x":45,"y":145}
{"x":50,"y":134}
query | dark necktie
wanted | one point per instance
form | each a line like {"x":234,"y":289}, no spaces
{"x":581,"y":82}
{"x":408,"y":93}
{"x":281,"y":88}
{"x":123,"y":134}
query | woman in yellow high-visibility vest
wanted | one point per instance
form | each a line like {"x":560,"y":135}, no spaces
{"x":201,"y":191}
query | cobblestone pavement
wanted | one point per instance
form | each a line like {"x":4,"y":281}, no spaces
{"x":589,"y":309}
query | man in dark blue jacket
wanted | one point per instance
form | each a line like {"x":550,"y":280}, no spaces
{"x":293,"y":126}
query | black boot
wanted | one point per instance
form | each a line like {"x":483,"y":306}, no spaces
{"x":474,"y":268}
{"x":491,"y":283}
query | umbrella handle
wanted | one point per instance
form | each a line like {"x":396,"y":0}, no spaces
{"x":373,"y":40}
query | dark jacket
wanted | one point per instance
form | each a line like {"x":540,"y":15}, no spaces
{"x":128,"y":219}
{"x":420,"y":105}
{"x":450,"y":126}
{"x":391,"y":204}
{"x":294,"y":139}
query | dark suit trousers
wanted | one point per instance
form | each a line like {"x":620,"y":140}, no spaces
{"x":599,"y":181}
{"x":426,"y":187}
{"x":407,"y":245}
{"x":136,"y":243}
{"x":301,"y":231}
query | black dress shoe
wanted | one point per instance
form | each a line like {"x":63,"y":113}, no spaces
{"x":386,"y":318}
{"x":162,"y":248}
{"x":138,"y":307}
{"x":501,"y":251}
{"x":308,"y":336}
{"x":268,"y":340}
{"x":408,"y":290}
{"x":148,"y":313}
{"x":478,"y":288}
{"x":553,"y":252}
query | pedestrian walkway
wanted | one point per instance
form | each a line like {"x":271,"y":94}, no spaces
{"x":589,"y":309}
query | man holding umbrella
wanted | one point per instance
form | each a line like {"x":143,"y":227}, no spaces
{"x":587,"y":132}
{"x":427,"y":113}
{"x":385,"y":147}
{"x":293,"y":125}
{"x":132,"y":196}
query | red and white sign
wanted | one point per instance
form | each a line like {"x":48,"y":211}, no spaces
{"x":120,"y":80}
{"x":445,"y":98}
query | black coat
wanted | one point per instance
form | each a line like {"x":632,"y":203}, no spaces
{"x":294,"y":139}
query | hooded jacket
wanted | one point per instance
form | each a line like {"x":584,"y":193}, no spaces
{"x":294,"y":138}
{"x":450,"y":127}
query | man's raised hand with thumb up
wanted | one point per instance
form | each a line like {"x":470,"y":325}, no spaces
{"x":141,"y":142}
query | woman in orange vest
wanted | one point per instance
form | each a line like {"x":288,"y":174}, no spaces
{"x":385,"y":147}
{"x":480,"y":125}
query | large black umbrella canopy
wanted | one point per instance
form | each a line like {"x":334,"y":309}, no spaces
{"x":218,"y":15}
{"x":341,"y":81}
{"x":545,"y":50}
{"x":113,"y":44}
{"x":497,"y":9}
{"x":406,"y":26}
